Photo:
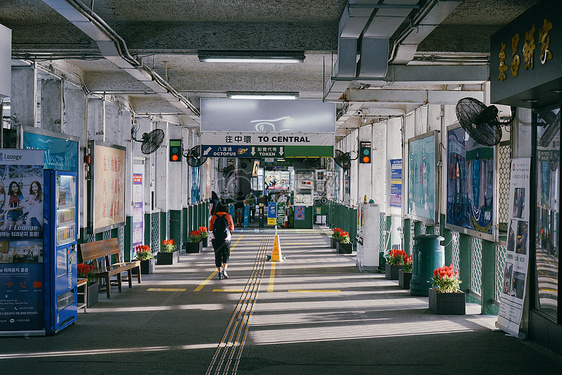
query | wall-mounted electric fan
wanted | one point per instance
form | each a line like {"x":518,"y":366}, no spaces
{"x":150,"y":141}
{"x":342,"y":159}
{"x":480,"y":121}
{"x":194,"y":157}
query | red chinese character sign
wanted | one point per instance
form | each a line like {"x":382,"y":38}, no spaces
{"x":107,"y":187}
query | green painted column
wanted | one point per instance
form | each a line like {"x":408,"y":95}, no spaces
{"x":465,"y":263}
{"x":127,"y":241}
{"x":407,"y":239}
{"x":430,"y":229}
{"x":417,"y":228}
{"x":387,"y":238}
{"x":448,"y":237}
{"x":185,"y":224}
{"x":175,"y":227}
{"x":488,"y":278}
{"x":163,"y":228}
{"x":147,"y":233}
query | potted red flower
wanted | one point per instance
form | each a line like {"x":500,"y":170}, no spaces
{"x":446,"y":296}
{"x":335,"y":237}
{"x":194,"y":244}
{"x":394,"y":263}
{"x":405,"y":273}
{"x":144,"y":254}
{"x":204,"y":236}
{"x":344,"y":245}
{"x":86,"y":271}
{"x":168,"y":254}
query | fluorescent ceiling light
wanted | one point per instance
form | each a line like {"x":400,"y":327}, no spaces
{"x":263,"y":95}
{"x":251,"y":57}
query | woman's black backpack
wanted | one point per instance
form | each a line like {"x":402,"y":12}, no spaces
{"x":220,"y":227}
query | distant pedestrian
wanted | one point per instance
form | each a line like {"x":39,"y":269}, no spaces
{"x":239,"y":208}
{"x":221,"y":225}
{"x":250,"y":201}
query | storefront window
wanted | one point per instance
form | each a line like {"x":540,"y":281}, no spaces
{"x":547,"y":214}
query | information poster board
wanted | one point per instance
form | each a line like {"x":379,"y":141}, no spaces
{"x":61,"y":150}
{"x":107,"y":187}
{"x":396,"y":183}
{"x":470,"y":185}
{"x":422,"y":177}
{"x":138,"y":205}
{"x":517,"y":255}
{"x":21,"y":240}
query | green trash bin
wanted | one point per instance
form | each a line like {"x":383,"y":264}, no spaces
{"x":428,"y":255}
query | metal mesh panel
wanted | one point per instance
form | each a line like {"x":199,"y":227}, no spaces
{"x":500,"y":263}
{"x":504,"y":171}
{"x":90,"y":237}
{"x":412,"y":234}
{"x":476,"y":269}
{"x":456,"y":245}
{"x":437,"y":229}
{"x":155,"y":231}
{"x":423,"y":227}
{"x":106,"y":235}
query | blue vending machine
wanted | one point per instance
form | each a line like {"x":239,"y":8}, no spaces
{"x":60,"y":251}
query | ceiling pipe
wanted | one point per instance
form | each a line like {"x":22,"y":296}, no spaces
{"x":114,"y":49}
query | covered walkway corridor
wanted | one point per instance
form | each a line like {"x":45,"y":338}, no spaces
{"x":313,"y":313}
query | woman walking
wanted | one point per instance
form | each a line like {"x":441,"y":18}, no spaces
{"x":221,"y":225}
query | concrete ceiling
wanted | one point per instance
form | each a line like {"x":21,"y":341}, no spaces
{"x":162,"y":38}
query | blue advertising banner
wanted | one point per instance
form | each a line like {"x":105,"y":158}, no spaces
{"x":60,"y":154}
{"x":396,"y":182}
{"x":422,"y":177}
{"x":470,"y":183}
{"x":21,"y":239}
{"x":272,"y":213}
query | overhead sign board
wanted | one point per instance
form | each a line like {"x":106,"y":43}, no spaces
{"x":265,"y":139}
{"x":256,"y":152}
{"x":275,"y":116}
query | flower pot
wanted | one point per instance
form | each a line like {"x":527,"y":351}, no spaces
{"x":92,"y":295}
{"x":447,"y":303}
{"x":391,"y":271}
{"x":193,"y":247}
{"x":205,"y":242}
{"x":404,"y":279}
{"x":345,"y":248}
{"x":147,"y":266}
{"x":167,"y":258}
{"x":334,"y":243}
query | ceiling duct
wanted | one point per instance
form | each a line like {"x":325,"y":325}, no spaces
{"x":369,"y":24}
{"x":113,"y":48}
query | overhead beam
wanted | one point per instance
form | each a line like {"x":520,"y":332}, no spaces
{"x":411,"y":96}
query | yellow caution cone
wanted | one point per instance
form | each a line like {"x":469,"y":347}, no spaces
{"x":276,"y":253}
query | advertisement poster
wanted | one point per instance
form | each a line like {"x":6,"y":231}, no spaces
{"x":60,"y":153}
{"x":271,"y":213}
{"x":21,"y":239}
{"x":109,"y":187}
{"x":396,"y":182}
{"x":138,"y":213}
{"x":422,"y":177}
{"x":281,"y":213}
{"x":517,"y":255}
{"x":470,"y":183}
{"x":277,"y":180}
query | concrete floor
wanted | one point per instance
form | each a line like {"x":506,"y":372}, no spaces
{"x":313,"y":313}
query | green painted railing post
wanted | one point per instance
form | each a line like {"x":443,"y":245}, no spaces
{"x":175,"y":227}
{"x":127,"y":243}
{"x":387,"y":241}
{"x":488,"y":278}
{"x":447,"y":242}
{"x":185,"y":224}
{"x":406,"y":233}
{"x":147,"y":231}
{"x":465,"y":249}
{"x":417,"y":228}
{"x":163,"y":226}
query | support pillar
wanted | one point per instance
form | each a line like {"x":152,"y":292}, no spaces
{"x":24,"y":96}
{"x":465,"y":245}
{"x":488,"y":278}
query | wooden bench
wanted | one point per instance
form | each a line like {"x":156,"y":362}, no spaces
{"x":100,"y":252}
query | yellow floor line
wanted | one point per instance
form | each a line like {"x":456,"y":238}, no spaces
{"x":271,"y":278}
{"x":202,"y":285}
{"x":314,"y":291}
{"x":166,"y":290}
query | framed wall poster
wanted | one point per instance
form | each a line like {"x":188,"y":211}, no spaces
{"x":106,"y":204}
{"x":422,"y":177}
{"x":471,"y":207}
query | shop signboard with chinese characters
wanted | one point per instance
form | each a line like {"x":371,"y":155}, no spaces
{"x":524,"y":66}
{"x":517,"y":254}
